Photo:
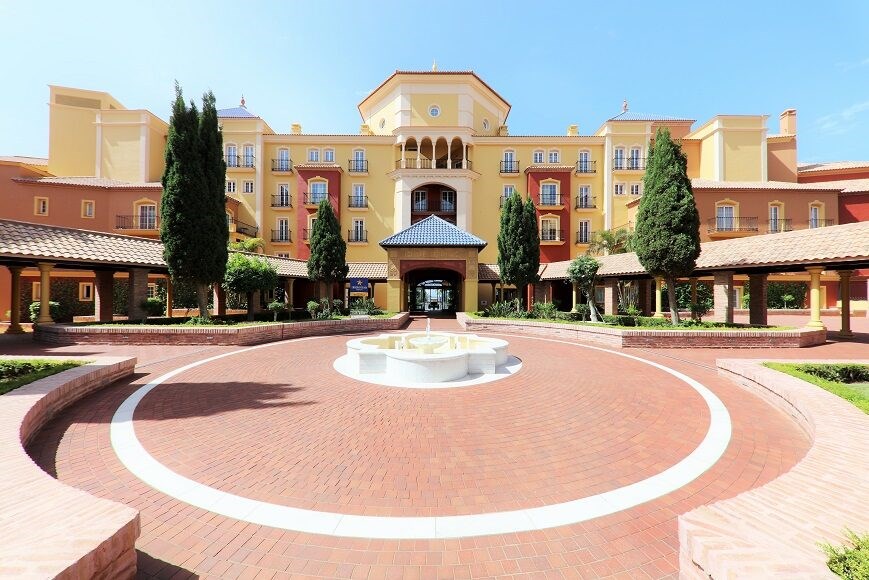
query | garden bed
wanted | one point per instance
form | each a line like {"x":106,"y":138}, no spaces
{"x":16,"y":373}
{"x":640,"y":337}
{"x":237,"y":334}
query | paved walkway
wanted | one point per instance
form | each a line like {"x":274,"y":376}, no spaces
{"x":280,"y":425}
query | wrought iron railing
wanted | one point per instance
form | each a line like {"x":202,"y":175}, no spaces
{"x":232,"y":160}
{"x":547,"y":235}
{"x":282,"y":164}
{"x":629,"y":163}
{"x":280,"y":235}
{"x":314,"y":198}
{"x":357,"y":166}
{"x":583,"y":236}
{"x":358,"y":201}
{"x":242,"y":227}
{"x":137,"y":222}
{"x":818,"y":223}
{"x":509,"y":166}
{"x":778,"y":225}
{"x":282,"y":200}
{"x":585,"y":202}
{"x":731,"y":224}
{"x":551,"y":199}
{"x":586,"y":166}
{"x":355,"y":235}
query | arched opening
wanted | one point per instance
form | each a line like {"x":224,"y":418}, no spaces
{"x":433,"y":198}
{"x":440,"y":153}
{"x":457,"y":153}
{"x":433,"y":290}
{"x":426,"y":153}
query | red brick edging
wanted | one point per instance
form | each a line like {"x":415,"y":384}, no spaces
{"x":773,"y":531}
{"x":212,"y":335}
{"x":622,"y":338}
{"x":51,"y":530}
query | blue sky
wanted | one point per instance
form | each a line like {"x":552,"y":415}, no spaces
{"x":557,"y":63}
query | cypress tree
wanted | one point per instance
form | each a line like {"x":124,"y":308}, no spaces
{"x":507,"y":238}
{"x":519,"y":244}
{"x":215,"y":230}
{"x":529,"y":248}
{"x":328,"y":260}
{"x":667,"y":238}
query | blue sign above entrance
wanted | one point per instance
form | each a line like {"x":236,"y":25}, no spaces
{"x":359,"y":285}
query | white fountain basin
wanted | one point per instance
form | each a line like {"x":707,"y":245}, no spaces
{"x":422,"y":358}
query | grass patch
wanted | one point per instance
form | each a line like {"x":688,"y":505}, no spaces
{"x":850,"y":561}
{"x":16,"y":373}
{"x":706,"y":326}
{"x":856,"y":393}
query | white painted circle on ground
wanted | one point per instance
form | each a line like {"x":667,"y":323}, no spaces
{"x":143,"y":465}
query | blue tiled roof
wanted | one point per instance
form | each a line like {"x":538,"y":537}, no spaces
{"x":433,"y":231}
{"x":235,"y":113}
{"x":632,"y":116}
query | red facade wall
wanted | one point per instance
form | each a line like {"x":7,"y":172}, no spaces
{"x":854,"y":208}
{"x":832,"y":176}
{"x":333,"y":177}
{"x":560,"y":252}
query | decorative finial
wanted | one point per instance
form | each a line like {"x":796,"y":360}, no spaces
{"x":434,"y":65}
{"x":625,"y":106}
{"x":242,"y":101}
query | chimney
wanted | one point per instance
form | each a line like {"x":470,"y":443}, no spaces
{"x":502,"y":131}
{"x":296,"y":129}
{"x":572,"y":130}
{"x":364,"y":129}
{"x":787,"y":122}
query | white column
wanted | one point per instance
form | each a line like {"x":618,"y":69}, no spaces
{"x":449,"y":154}
{"x":44,"y":293}
{"x":402,"y":155}
{"x":465,"y":160}
{"x":608,"y":182}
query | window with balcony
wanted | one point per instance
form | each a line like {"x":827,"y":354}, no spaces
{"x":357,"y":198}
{"x":230,"y":186}
{"x":549,"y":229}
{"x":420,"y":200}
{"x":507,"y":193}
{"x":583,"y":198}
{"x":816,"y":216}
{"x":358,"y":233}
{"x":619,"y":158}
{"x":618,"y":189}
{"x":634,"y":159}
{"x":549,"y":194}
{"x":725,"y":217}
{"x":359,"y":164}
{"x":282,"y":233}
{"x":776,"y":223}
{"x":282,"y":163}
{"x":247,"y":186}
{"x":146,"y":216}
{"x":554,"y":156}
{"x":317,"y":191}
{"x":282,"y":199}
{"x":248,"y":156}
{"x":583,"y":164}
{"x":313,"y":155}
{"x":231,"y":155}
{"x":448,"y":200}
{"x":329,"y":156}
{"x":509,"y":163}
{"x":583,"y":232}
{"x":538,"y":156}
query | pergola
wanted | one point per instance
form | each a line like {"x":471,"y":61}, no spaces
{"x":843,"y":249}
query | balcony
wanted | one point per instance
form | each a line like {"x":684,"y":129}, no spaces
{"x":818,"y":223}
{"x":585,"y":202}
{"x":357,"y":236}
{"x":778,"y":226}
{"x":551,"y":200}
{"x":306,"y":235}
{"x":583,"y":237}
{"x":358,"y":201}
{"x":419,"y":207}
{"x":282,"y":236}
{"x":232,"y":160}
{"x":248,"y":161}
{"x":732,"y":226}
{"x":509,"y":167}
{"x":314,"y":198}
{"x":150,"y":223}
{"x":586,"y":166}
{"x":629,"y":163}
{"x":282,"y":200}
{"x":552,"y":235}
{"x":241,"y":227}
{"x":436,"y":164}
{"x":282,"y":165}
{"x":357,"y":166}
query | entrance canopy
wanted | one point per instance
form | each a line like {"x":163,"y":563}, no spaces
{"x":433,"y":232}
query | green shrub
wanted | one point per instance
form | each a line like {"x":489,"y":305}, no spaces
{"x":276,"y":308}
{"x":838,"y":373}
{"x":849,"y":561}
{"x":583,"y":312}
{"x":153,"y":306}
{"x":312,"y":307}
{"x":544,"y":311}
{"x":202,"y":321}
{"x":507,"y":309}
{"x":53,"y":309}
{"x":16,"y":373}
{"x":365,"y":306}
{"x":699,"y":310}
{"x":652,"y":321}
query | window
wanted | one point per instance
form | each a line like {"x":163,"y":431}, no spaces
{"x":283,"y":160}
{"x":549,"y":194}
{"x":549,"y":229}
{"x":618,"y":189}
{"x":583,"y":164}
{"x":87,"y":208}
{"x":231,"y":156}
{"x":485,"y":124}
{"x":329,"y":156}
{"x":815,"y":219}
{"x":283,"y":231}
{"x":34,"y":291}
{"x":420,"y":200}
{"x":448,"y":200}
{"x":358,"y":164}
{"x":775,"y":222}
{"x":85,"y":291}
{"x":282,"y":255}
{"x":509,"y":163}
{"x":382,"y":123}
{"x":317,"y":191}
{"x":230,"y":186}
{"x":313,"y":155}
{"x":583,"y":233}
{"x":358,"y":233}
{"x":554,"y":156}
{"x":507,"y":193}
{"x":40,"y":206}
{"x":248,"y":156}
{"x":619,"y":158}
{"x":152,"y":290}
{"x":724,"y":217}
{"x":583,"y":199}
{"x":434,"y":111}
{"x":634,"y":161}
{"x":284,"y":195}
{"x":146,"y":216}
{"x":357,"y":199}
{"x":312,"y":219}
{"x":538,"y":156}
{"x":635,"y":189}
{"x":247,"y":186}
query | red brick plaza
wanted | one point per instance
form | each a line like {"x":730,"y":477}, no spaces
{"x":278,"y":424}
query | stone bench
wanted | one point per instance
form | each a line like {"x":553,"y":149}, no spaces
{"x":51,"y":530}
{"x":773,"y":531}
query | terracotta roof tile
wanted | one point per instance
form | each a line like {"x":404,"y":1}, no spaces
{"x":370,"y":270}
{"x":849,"y":185}
{"x":758,"y":185}
{"x":556,"y":167}
{"x":831,"y":166}
{"x":37,"y":161}
{"x":488,"y":272}
{"x":97,"y":182}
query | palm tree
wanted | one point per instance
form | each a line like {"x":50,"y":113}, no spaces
{"x":615,"y":241}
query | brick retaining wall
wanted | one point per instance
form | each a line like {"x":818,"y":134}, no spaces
{"x":626,"y":338}
{"x":219,"y":335}
{"x":51,"y":530}
{"x":773,"y":531}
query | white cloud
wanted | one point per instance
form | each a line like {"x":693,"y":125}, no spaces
{"x":849,"y":66}
{"x":843,"y":121}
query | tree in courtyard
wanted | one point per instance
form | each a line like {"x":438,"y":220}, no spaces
{"x":518,"y":244}
{"x":606,"y":242}
{"x":667,"y":238}
{"x":247,"y":274}
{"x":252,"y":245}
{"x":193,"y":227}
{"x":582,"y":272}
{"x":328,"y":260}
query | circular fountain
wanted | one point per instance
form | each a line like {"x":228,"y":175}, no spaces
{"x":419,"y":359}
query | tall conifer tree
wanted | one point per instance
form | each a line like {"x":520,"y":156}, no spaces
{"x":518,"y":244}
{"x":328,"y":260}
{"x":667,"y":238}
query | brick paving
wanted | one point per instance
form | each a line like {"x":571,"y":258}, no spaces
{"x":279,"y":424}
